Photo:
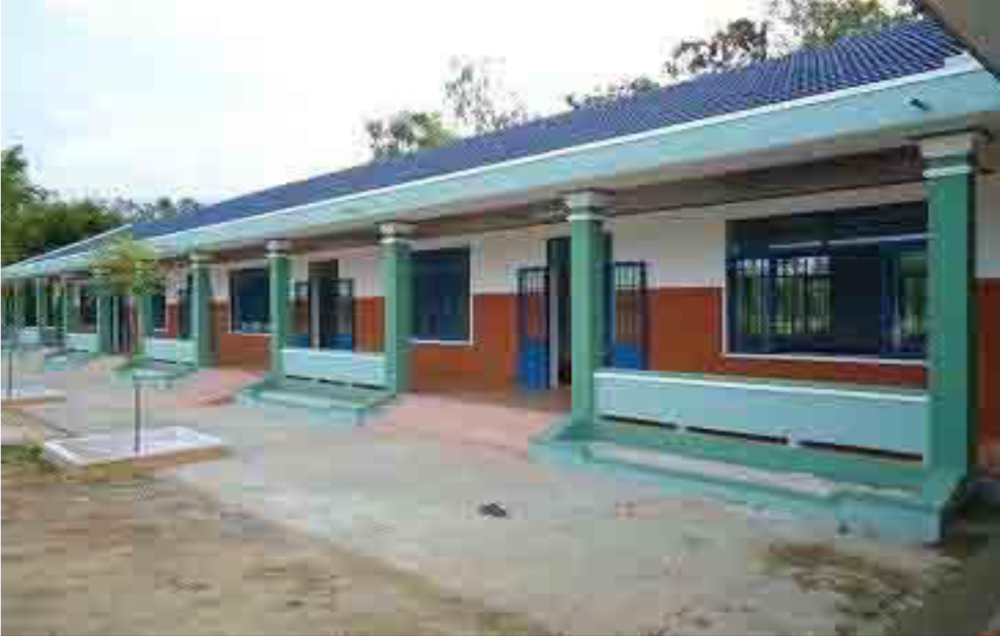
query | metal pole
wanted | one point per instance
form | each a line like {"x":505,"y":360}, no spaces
{"x":137,"y":385}
{"x":10,"y":373}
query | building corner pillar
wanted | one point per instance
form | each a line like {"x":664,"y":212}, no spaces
{"x":397,"y":279}
{"x":950,"y":175}
{"x":586,"y":215}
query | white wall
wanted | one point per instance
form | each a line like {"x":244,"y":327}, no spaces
{"x":683,"y":248}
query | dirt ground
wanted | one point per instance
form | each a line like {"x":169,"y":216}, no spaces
{"x":142,"y":555}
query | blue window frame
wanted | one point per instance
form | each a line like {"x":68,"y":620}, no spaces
{"x":250,"y":292}
{"x":441,"y":295}
{"x":844,"y":283}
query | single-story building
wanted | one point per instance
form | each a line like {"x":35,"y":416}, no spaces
{"x":788,"y":269}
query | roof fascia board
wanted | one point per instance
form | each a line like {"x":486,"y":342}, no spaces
{"x":953,"y":92}
{"x":13,"y":270}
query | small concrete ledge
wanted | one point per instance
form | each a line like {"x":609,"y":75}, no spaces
{"x":31,"y":396}
{"x":66,"y":360}
{"x":333,"y":404}
{"x":151,"y":374}
{"x":159,"y":448}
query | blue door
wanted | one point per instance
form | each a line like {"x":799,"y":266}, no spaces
{"x":533,"y":327}
{"x":628,"y":332}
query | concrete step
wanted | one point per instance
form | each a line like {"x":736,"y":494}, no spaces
{"x":302,"y":399}
{"x":329,"y":403}
{"x":803,"y":484}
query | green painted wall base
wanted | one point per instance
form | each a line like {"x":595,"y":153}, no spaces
{"x":67,"y":360}
{"x":153,"y":374}
{"x":890,"y":501}
{"x":329,"y":403}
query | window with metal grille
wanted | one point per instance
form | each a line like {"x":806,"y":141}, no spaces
{"x":332,"y":309}
{"x":158,"y":310}
{"x":88,"y":307}
{"x":844,"y":283}
{"x":30,"y":305}
{"x":250,"y":292}
{"x":441,"y":295}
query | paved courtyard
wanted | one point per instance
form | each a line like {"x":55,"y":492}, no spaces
{"x":580,"y":552}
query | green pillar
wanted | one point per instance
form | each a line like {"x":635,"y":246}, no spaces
{"x":42,"y":303}
{"x":280,"y":272}
{"x":950,"y":185}
{"x":200,"y":310}
{"x":587,"y":289}
{"x":397,"y":282}
{"x":20,"y":318}
{"x":68,"y":306}
{"x":105,"y":322}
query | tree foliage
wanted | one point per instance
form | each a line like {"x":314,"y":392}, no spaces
{"x":125,"y":267}
{"x":612,"y":92}
{"x":791,"y":24}
{"x":35,"y":221}
{"x":740,"y":43}
{"x":478,"y":102}
{"x":406,"y":132}
{"x":162,"y":208}
{"x":475,"y":102}
{"x":823,"y":22}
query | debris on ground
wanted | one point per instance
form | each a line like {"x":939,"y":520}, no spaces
{"x":494,"y":510}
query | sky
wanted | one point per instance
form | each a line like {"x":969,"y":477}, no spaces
{"x":215,"y":98}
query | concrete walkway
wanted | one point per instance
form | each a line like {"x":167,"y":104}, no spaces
{"x":581,"y":552}
{"x":466,"y":420}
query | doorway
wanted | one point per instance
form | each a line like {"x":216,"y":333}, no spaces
{"x":544,"y":317}
{"x":560,"y":312}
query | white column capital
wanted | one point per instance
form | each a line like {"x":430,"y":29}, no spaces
{"x":199,"y":259}
{"x":395,"y":232}
{"x":587,"y":205}
{"x":278,"y":248}
{"x":949,"y":146}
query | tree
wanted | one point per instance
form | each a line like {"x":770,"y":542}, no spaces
{"x":612,"y":92}
{"x":17,"y":192}
{"x":478,"y":101}
{"x":405,"y":132}
{"x":792,"y":24}
{"x":740,"y":43}
{"x":161,"y":209}
{"x":129,"y":269}
{"x":36,"y":221}
{"x":44,"y":225}
{"x":823,"y":22}
{"x":475,"y":102}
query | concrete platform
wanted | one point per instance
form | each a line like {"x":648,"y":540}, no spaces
{"x":159,"y":448}
{"x":31,"y":396}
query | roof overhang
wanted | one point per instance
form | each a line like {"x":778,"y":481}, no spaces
{"x":960,"y":96}
{"x":975,"y":22}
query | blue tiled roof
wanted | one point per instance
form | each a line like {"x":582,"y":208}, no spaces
{"x":908,"y":49}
